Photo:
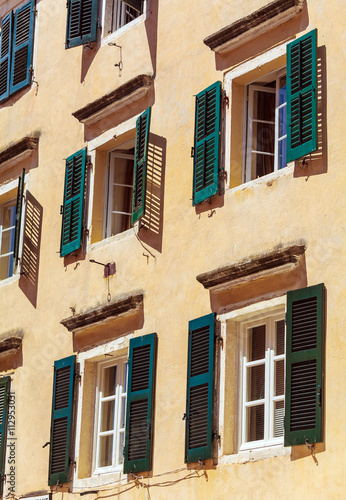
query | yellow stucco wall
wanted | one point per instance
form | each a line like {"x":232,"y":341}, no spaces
{"x":250,"y":220}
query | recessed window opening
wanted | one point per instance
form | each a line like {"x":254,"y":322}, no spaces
{"x":266,"y":125}
{"x":117,"y":14}
{"x":110,"y":415}
{"x":263,"y":386}
{"x":7,"y":237}
{"x":119,"y":188}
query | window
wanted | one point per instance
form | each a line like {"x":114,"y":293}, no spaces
{"x":263,"y":387}
{"x":110,"y":415}
{"x":83,"y":15}
{"x":272,"y":117}
{"x":266,"y":125}
{"x":119,"y":189}
{"x":16,"y":48}
{"x":10,"y":226}
{"x":7,"y":238}
{"x":118,"y":13}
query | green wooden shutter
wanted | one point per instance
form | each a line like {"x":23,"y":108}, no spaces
{"x":200,"y":389}
{"x":304,"y":365}
{"x":23,"y":34}
{"x":19,"y":209}
{"x":81,"y":22}
{"x":140,"y":170}
{"x":4,"y":392}
{"x":207,"y":143}
{"x":61,"y":423}
{"x":72,"y":219}
{"x":134,"y":4}
{"x":5,"y":55}
{"x":140,"y":401}
{"x":302,"y":96}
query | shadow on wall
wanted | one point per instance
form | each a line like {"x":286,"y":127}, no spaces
{"x":151,"y":225}
{"x":263,"y":42}
{"x":90,"y":51}
{"x":317,"y":162}
{"x":28,"y":282}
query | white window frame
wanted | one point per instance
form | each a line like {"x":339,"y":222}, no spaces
{"x":4,"y":199}
{"x":106,"y":37}
{"x":229,"y":324}
{"x":239,"y":73}
{"x":269,"y":398}
{"x":109,"y":183}
{"x":248,"y":119}
{"x":113,"y":350}
{"x":3,"y":206}
{"x":118,"y":429}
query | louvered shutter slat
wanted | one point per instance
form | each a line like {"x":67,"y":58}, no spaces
{"x":23,"y":33}
{"x":72,"y":221}
{"x":200,"y":384}
{"x":4,"y":392}
{"x":302,"y":96}
{"x":140,"y":168}
{"x":5,"y":55}
{"x":207,"y":143}
{"x":304,"y":358}
{"x":62,"y":411}
{"x":81,"y":22}
{"x":140,"y":398}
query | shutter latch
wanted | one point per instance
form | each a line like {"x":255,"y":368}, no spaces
{"x":318,"y":396}
{"x":184,"y":416}
{"x":46,"y":444}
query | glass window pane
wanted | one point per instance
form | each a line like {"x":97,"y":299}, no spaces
{"x":257,"y":343}
{"x":263,"y":135}
{"x":109,"y":378}
{"x":282,"y":121}
{"x":255,"y":387}
{"x":123,"y":171}
{"x":125,"y":377}
{"x":279,"y":412}
{"x":120,"y":223}
{"x":280,"y":337}
{"x":255,"y":423}
{"x":264,"y":105}
{"x":279,"y":378}
{"x":4,"y":267}
{"x":282,"y":90}
{"x":107,"y":416}
{"x":282,"y":153}
{"x":261,"y":165}
{"x":106,"y":446}
{"x":122,"y":198}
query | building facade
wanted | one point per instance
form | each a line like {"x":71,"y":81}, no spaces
{"x":172,"y":227}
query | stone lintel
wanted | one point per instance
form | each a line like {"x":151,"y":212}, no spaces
{"x":121,"y":307}
{"x":17,"y":151}
{"x":270,"y":16}
{"x":130,"y":91}
{"x":252,"y":268}
{"x":10,"y":345}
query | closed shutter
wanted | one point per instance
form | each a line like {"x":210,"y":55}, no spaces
{"x":304,"y":365}
{"x":134,"y":4}
{"x":5,"y":55}
{"x":61,"y":424}
{"x":207,"y":143}
{"x":200,"y":389}
{"x":302,"y":96}
{"x":4,"y":393}
{"x":23,"y":34}
{"x":141,"y":158}
{"x":140,"y":402}
{"x":19,"y":209}
{"x":81,"y":22}
{"x":72,"y":218}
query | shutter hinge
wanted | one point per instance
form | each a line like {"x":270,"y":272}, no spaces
{"x":73,"y":462}
{"x":184,"y":416}
{"x":192,"y":152}
{"x":98,"y":25}
{"x":46,"y":444}
{"x":88,"y":163}
{"x":61,"y":209}
{"x":31,"y":69}
{"x":223,"y":174}
{"x":285,"y":318}
{"x":216,"y":436}
{"x":318,"y":396}
{"x":219,"y":339}
{"x":225,"y":98}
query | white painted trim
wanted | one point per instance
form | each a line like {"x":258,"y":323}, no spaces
{"x":103,"y":479}
{"x":105,"y":40}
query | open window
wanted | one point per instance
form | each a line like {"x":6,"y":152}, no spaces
{"x":118,"y":13}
